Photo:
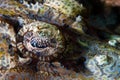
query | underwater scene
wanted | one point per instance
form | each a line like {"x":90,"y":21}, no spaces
{"x":59,"y":39}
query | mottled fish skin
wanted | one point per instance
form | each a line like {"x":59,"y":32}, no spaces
{"x":7,"y":47}
{"x":22,"y":21}
{"x":30,"y":29}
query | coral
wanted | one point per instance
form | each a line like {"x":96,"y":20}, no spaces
{"x":103,"y":62}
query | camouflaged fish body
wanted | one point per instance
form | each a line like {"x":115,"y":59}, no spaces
{"x":46,"y":41}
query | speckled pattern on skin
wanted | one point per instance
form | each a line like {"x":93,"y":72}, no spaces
{"x":24,"y":67}
{"x":67,"y":7}
{"x":61,"y":23}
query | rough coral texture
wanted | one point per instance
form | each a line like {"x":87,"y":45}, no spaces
{"x":104,"y":64}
